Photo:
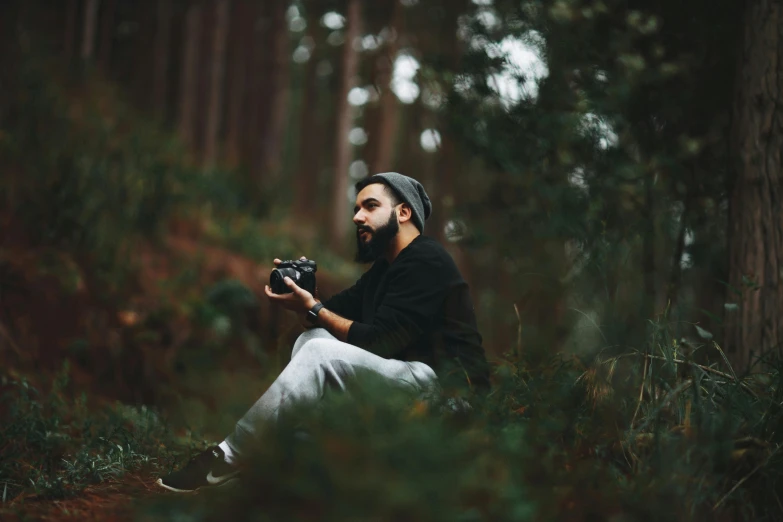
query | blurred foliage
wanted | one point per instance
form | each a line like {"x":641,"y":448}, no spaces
{"x":647,"y":436}
{"x":650,"y":435}
{"x":86,"y":173}
{"x":603,"y":185}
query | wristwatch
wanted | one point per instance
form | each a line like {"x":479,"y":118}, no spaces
{"x":312,"y":314}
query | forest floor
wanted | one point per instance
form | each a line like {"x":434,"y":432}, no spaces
{"x":109,"y":501}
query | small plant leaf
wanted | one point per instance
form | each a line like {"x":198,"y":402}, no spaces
{"x":731,"y":307}
{"x":704,"y":334}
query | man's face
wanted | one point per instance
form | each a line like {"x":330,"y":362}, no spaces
{"x":376,"y":223}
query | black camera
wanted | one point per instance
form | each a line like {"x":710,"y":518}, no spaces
{"x":301,"y":271}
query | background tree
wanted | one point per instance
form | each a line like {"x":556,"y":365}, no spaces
{"x":69,"y":33}
{"x":188,"y":97}
{"x":343,"y":150}
{"x":382,"y":123}
{"x":240,"y":46}
{"x":107,"y":31}
{"x":162,"y":57}
{"x":756,"y":215}
{"x":218,"y":66}
{"x":90,"y":28}
{"x":312,"y":135}
{"x":273,"y":93}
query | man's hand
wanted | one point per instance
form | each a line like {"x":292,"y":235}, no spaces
{"x":299,"y":301}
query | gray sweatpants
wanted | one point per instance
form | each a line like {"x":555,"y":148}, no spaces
{"x":318,"y":361}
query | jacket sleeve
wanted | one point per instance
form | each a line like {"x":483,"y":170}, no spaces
{"x":348,"y":303}
{"x":411,"y":303}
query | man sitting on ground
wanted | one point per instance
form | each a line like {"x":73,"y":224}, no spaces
{"x":409,"y":319}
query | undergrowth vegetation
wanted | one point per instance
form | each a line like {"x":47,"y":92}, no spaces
{"x":54,"y":444}
{"x":647,"y":435}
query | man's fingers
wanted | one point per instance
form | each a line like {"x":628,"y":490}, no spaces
{"x":277,"y":261}
{"x":277,"y":298}
{"x":288,"y":301}
{"x":293,"y":286}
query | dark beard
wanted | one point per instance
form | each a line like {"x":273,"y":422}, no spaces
{"x":379,"y":241}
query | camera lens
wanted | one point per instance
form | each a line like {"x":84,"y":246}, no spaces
{"x":276,"y":280}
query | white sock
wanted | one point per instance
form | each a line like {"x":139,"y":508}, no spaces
{"x":229,"y":455}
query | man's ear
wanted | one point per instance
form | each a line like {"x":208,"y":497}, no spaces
{"x":405,"y":213}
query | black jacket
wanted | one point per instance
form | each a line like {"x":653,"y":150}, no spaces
{"x":417,"y":309}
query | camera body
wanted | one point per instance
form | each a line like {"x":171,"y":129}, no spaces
{"x":301,"y":271}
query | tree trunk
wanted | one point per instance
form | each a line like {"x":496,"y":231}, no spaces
{"x":90,"y":23}
{"x":189,"y":78}
{"x":241,"y":41}
{"x":310,"y":139}
{"x":648,"y":300}
{"x":756,"y":216}
{"x":10,"y":21}
{"x":141,"y":59}
{"x":272,"y":120}
{"x":382,"y":135}
{"x":448,"y":170}
{"x":448,"y":155}
{"x":71,"y":20}
{"x":412,"y":116}
{"x":675,"y":276}
{"x":215,"y":105}
{"x":345,"y":113}
{"x":162,"y":58}
{"x":204,"y":81}
{"x":256,"y":94}
{"x":107,"y":35}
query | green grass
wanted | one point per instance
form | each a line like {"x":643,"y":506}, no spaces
{"x":53,"y":445}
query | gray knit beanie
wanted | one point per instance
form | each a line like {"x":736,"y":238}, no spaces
{"x":412,"y":193}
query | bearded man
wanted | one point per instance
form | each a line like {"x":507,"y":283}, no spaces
{"x":409,"y":320}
